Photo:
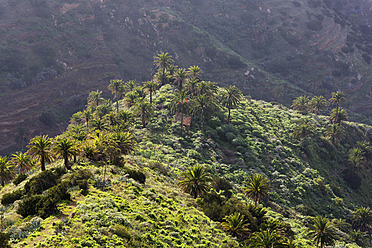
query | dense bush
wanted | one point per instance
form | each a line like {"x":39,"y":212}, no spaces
{"x":80,"y":178}
{"x":221,"y":184}
{"x":20,"y":178}
{"x":121,"y":231}
{"x":44,"y":205}
{"x":4,"y":240}
{"x":353,"y":180}
{"x":137,"y":175}
{"x":30,"y":205}
{"x":9,"y":198}
{"x":48,"y":206}
{"x":44,"y":180}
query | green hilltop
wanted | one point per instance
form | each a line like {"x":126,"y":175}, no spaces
{"x":181,"y":162}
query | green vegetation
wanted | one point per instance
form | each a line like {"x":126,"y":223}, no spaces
{"x":322,"y":231}
{"x":257,"y":187}
{"x":246,"y":173}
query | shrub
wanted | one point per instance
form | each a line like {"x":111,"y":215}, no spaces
{"x":48,"y":205}
{"x":44,"y":180}
{"x":20,"y":178}
{"x":238,"y":142}
{"x":29,"y":206}
{"x":221,"y":183}
{"x":44,"y":205}
{"x":12,"y":197}
{"x":229,"y":136}
{"x":137,"y":175}
{"x":352,"y":179}
{"x":80,"y":178}
{"x":121,"y":231}
{"x":155,"y":165}
{"x":4,"y":240}
{"x":337,"y":191}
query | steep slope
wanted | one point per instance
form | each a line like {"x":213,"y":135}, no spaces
{"x":309,"y":176}
{"x":53,"y":53}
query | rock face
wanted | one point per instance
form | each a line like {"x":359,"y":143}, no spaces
{"x":53,"y":53}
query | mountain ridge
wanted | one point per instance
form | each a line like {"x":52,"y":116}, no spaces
{"x":88,"y":43}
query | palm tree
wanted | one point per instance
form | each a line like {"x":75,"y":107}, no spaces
{"x":290,"y":243}
{"x":303,"y":129}
{"x":191,"y":87}
{"x":180,"y":105}
{"x":40,"y":147}
{"x":366,"y":149}
{"x":144,"y":109}
{"x":104,"y":108}
{"x":139,"y":92}
{"x":77,"y":131}
{"x":322,"y":231}
{"x":117,"y":88}
{"x":87,"y":115}
{"x":112,"y":118}
{"x":125,"y":116}
{"x":235,"y":224}
{"x":99,"y":124}
{"x":338,"y":115}
{"x":65,"y":148}
{"x":94,"y":98}
{"x":334,"y":132}
{"x":194,"y":72}
{"x":152,"y":87}
{"x":195,"y":180}
{"x":208,"y":88}
{"x":130,"y":98}
{"x":257,"y":187}
{"x":125,"y":141}
{"x":203,"y":106}
{"x":356,"y":156}
{"x":266,"y":239}
{"x":23,"y":161}
{"x":180,"y":78}
{"x":163,"y":61}
{"x":130,"y":85}
{"x":337,"y":98}
{"x":162,"y":77}
{"x":7,"y":170}
{"x":362,"y":218}
{"x":301,"y":104}
{"x":317,"y":104}
{"x":230,"y":98}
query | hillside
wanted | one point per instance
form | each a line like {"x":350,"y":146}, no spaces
{"x":118,"y":194}
{"x":55,"y":52}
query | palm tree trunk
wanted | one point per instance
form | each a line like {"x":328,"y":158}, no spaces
{"x":181,"y":122}
{"x":42,"y":161}
{"x":195,"y":194}
{"x":163,"y":81}
{"x":65,"y":158}
{"x":104,"y":176}
{"x":201,"y":120}
{"x":117,"y":101}
{"x":143,"y":120}
{"x":228,"y":117}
